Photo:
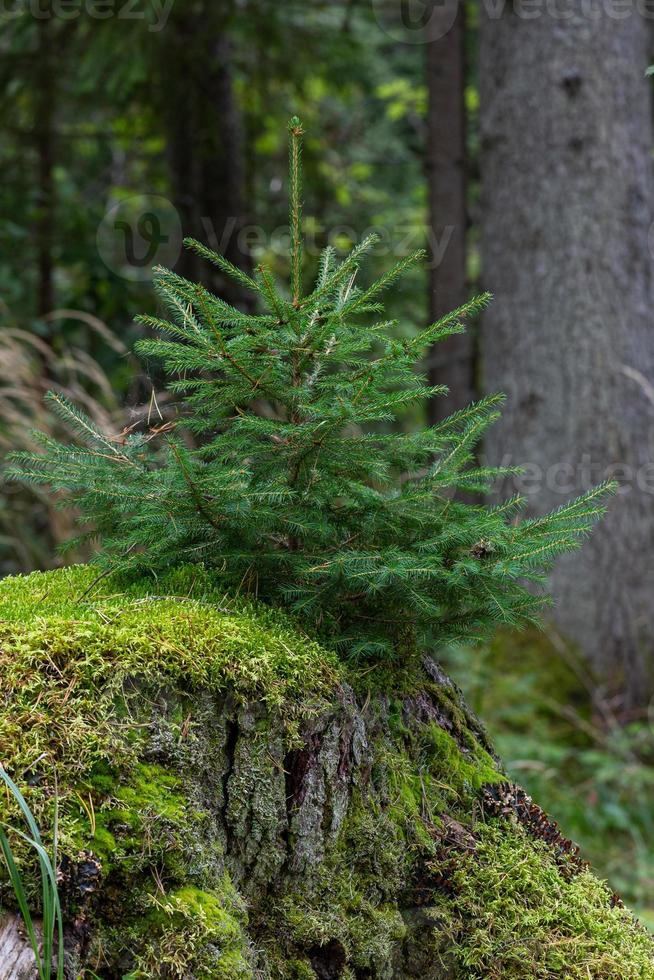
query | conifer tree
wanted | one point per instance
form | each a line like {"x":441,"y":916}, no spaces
{"x":299,"y":490}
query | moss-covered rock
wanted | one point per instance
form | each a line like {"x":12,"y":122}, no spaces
{"x":235,"y":803}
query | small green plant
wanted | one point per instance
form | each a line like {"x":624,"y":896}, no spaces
{"x":51,"y":908}
{"x":300,"y":490}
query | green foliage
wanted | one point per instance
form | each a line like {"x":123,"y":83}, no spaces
{"x":333,"y":63}
{"x":298,"y":491}
{"x":50,"y":907}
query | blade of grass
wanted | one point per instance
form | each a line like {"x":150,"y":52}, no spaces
{"x":52,"y":910}
{"x":31,"y":823}
{"x":52,"y":915}
{"x":21,"y":899}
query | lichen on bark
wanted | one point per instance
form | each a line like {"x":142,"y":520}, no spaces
{"x":235,"y":803}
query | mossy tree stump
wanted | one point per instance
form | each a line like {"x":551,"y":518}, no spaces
{"x":234,"y":803}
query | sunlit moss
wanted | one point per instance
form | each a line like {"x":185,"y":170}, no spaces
{"x":179,"y":625}
{"x":190,"y":932}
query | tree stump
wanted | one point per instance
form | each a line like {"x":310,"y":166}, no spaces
{"x":236,"y":803}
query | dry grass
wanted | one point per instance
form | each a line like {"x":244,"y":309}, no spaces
{"x":31,"y":523}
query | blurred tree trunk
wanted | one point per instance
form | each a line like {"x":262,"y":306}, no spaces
{"x":204,"y":136}
{"x":44,"y":136}
{"x":566,"y":168}
{"x":452,"y":362}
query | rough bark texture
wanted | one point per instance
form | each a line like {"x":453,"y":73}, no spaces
{"x":452,"y":362}
{"x":566,"y":165}
{"x":267,"y":809}
{"x":236,"y":805}
{"x":16,"y":956}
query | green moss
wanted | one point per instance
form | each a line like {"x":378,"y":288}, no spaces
{"x":80,"y":660}
{"x":352,"y":901}
{"x":145,"y":803}
{"x":428,"y":771}
{"x":299,"y":970}
{"x":190,"y":932}
{"x":180,"y":625}
{"x":366,"y":931}
{"x":194,"y":903}
{"x":151,"y":788}
{"x":465,"y":769}
{"x":105,"y":846}
{"x":74,"y":653}
{"x":513,"y":915}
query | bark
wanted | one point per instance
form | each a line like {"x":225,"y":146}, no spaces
{"x":276,"y":807}
{"x":16,"y":956}
{"x":205,"y":137}
{"x":566,"y":142}
{"x":450,"y":362}
{"x":299,"y":827}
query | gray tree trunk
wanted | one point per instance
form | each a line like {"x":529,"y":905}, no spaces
{"x":566,"y":168}
{"x":451,"y":362}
